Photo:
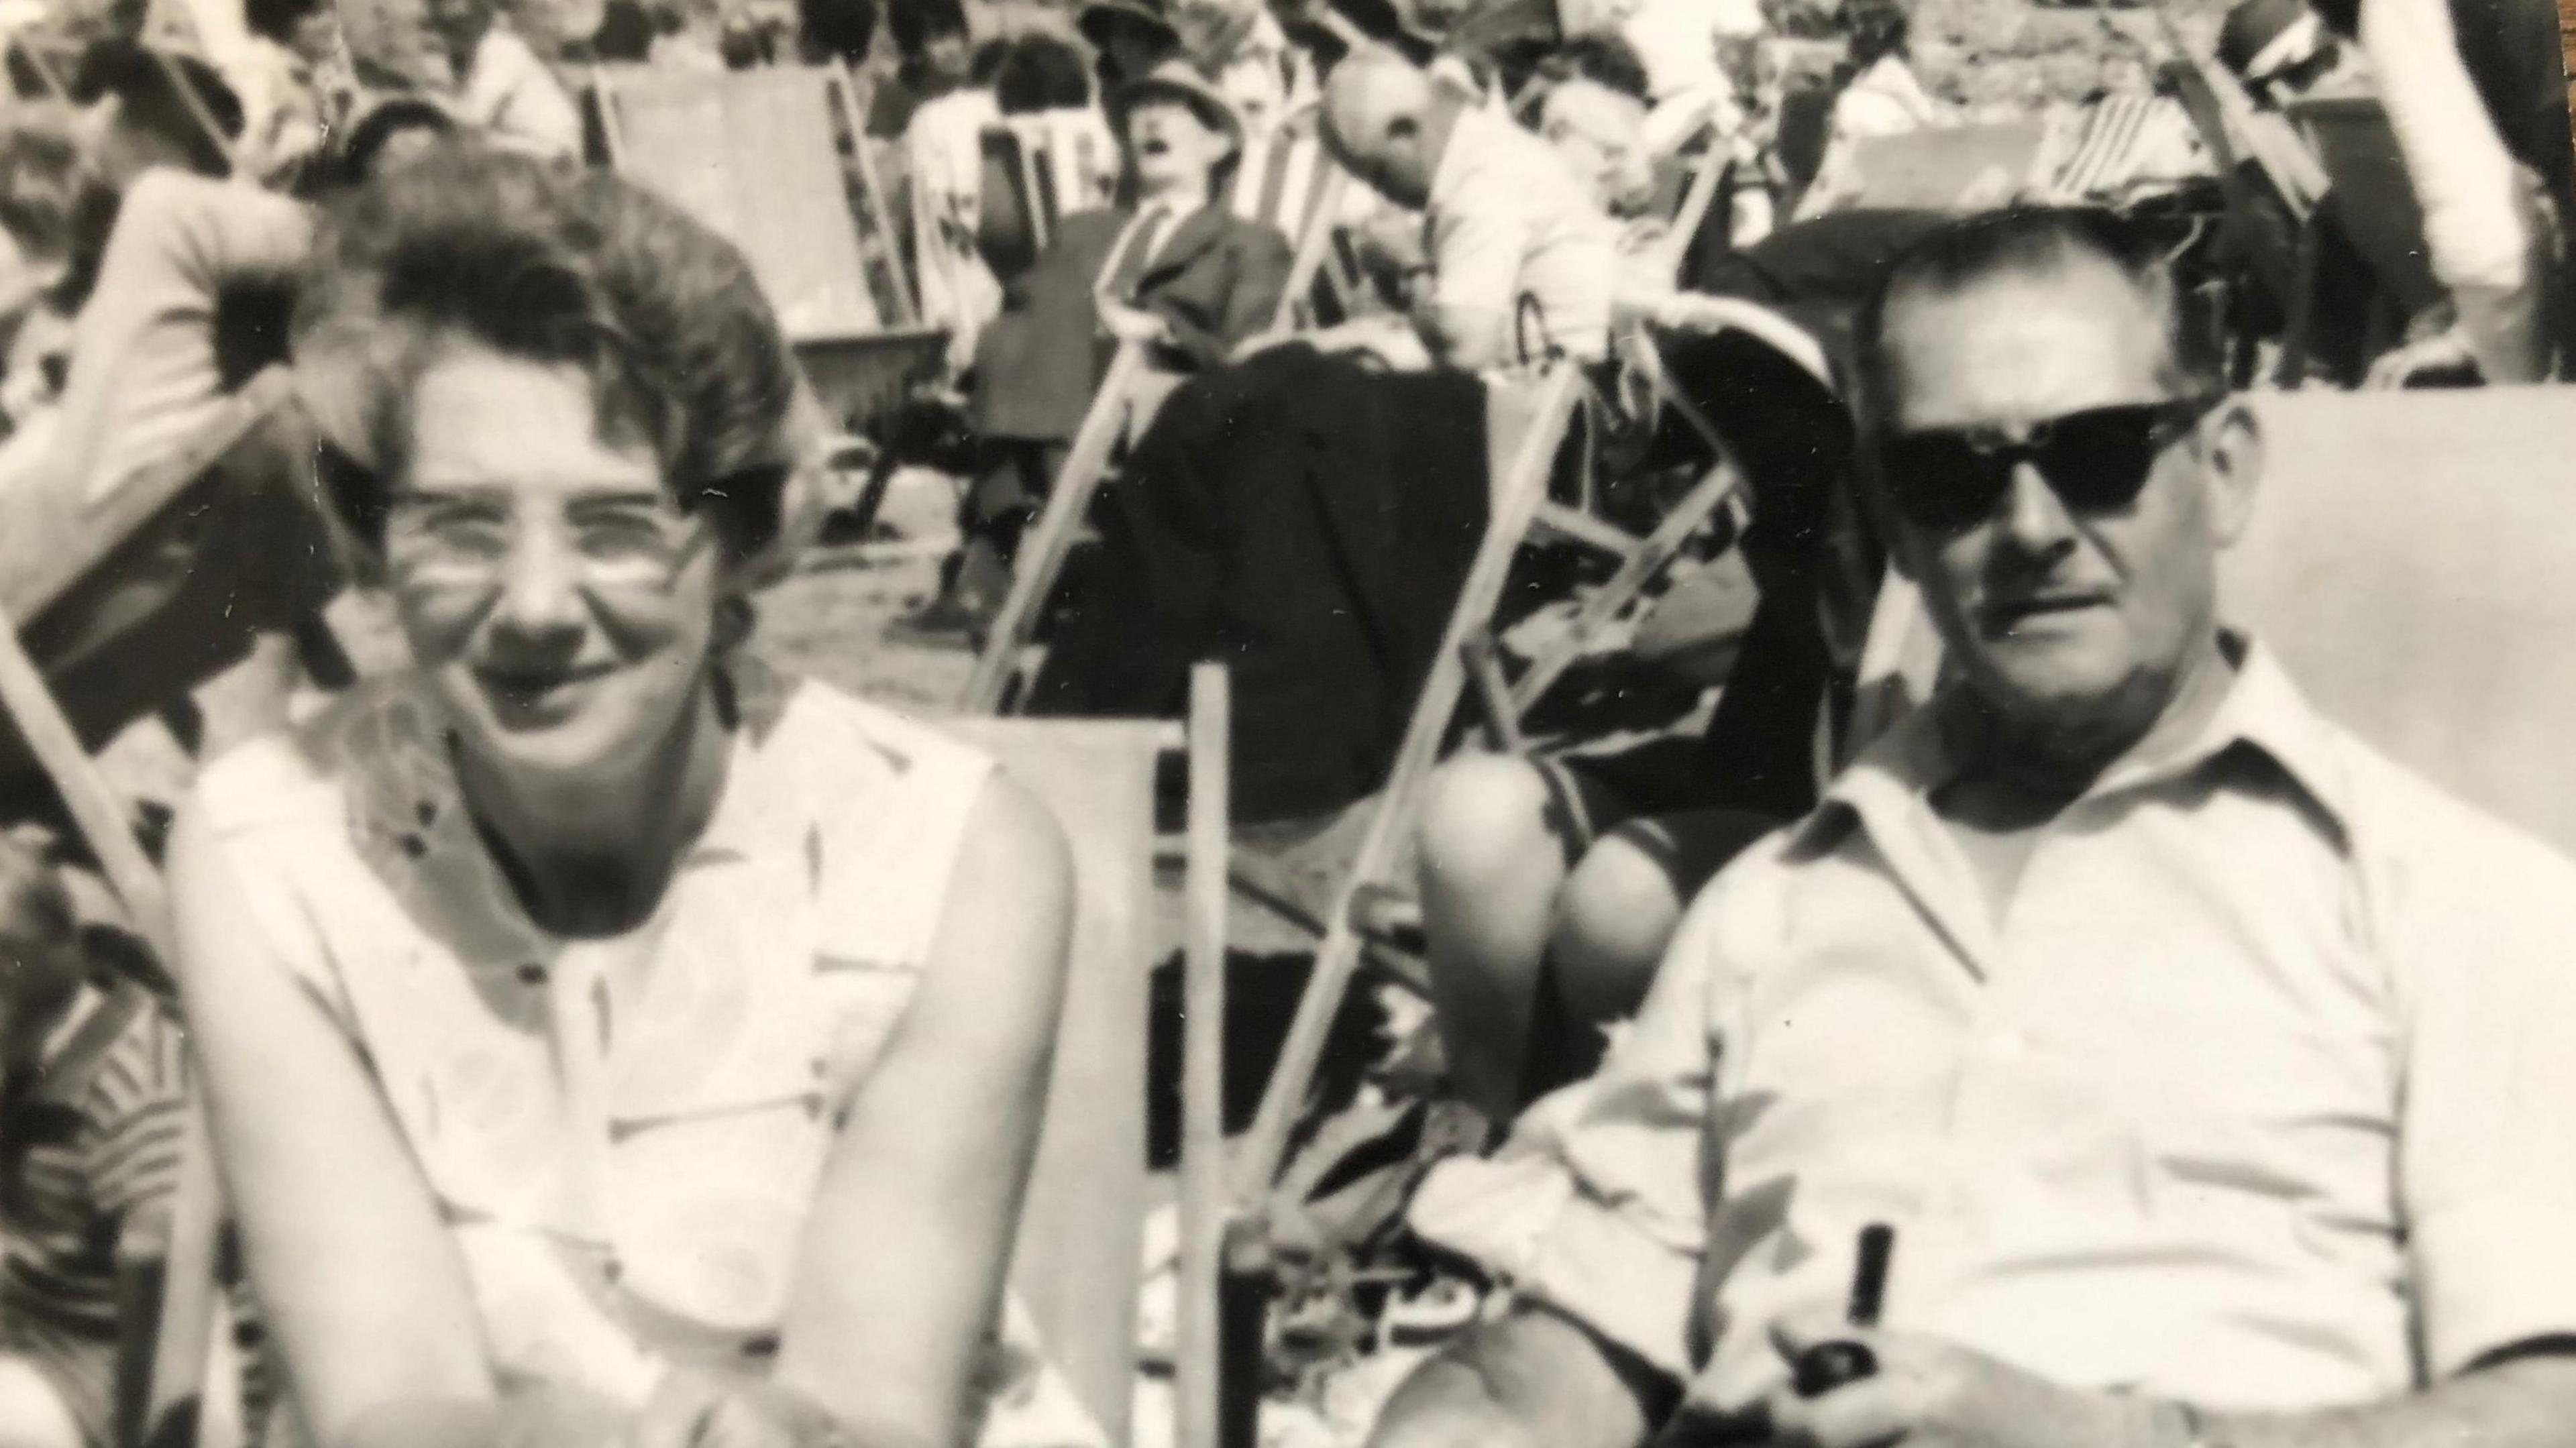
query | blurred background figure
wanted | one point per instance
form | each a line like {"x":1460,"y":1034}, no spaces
{"x":503,"y":91}
{"x":933,"y":52}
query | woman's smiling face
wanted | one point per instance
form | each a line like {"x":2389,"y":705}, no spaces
{"x":558,"y":601}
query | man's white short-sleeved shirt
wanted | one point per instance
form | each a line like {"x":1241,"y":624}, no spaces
{"x":1509,"y":218}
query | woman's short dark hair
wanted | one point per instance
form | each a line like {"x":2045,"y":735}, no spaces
{"x":1042,"y":73}
{"x":276,"y":19}
{"x":554,"y":264}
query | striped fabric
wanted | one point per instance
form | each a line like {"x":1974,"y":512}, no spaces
{"x":89,"y":1155}
{"x":2117,"y":146}
{"x":1061,"y":163}
{"x":1287,"y":180}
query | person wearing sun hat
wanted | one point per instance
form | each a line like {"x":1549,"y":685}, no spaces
{"x":1176,"y":272}
{"x":1128,"y":38}
{"x":2278,"y":48}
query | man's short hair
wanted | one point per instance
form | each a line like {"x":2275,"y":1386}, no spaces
{"x":2038,"y":241}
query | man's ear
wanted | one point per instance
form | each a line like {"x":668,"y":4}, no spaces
{"x":2233,"y":448}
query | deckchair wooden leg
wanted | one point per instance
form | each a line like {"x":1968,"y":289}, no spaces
{"x":1643,"y":567}
{"x":1200,"y":1359}
{"x":188,"y":1301}
{"x":1043,"y":550}
{"x":1516,"y":500}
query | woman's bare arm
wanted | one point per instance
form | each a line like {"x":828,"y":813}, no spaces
{"x":905,"y":1256}
{"x":359,"y":1282}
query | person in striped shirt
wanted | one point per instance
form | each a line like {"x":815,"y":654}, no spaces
{"x":92,"y":1088}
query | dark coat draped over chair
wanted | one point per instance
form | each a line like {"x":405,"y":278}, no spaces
{"x":1217,"y":279}
{"x":1306,"y":521}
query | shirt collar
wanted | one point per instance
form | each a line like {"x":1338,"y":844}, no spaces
{"x":2262,"y":711}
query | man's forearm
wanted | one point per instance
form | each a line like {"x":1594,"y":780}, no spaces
{"x":2525,"y":1403}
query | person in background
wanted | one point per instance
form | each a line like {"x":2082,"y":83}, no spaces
{"x":45,"y":184}
{"x":943,"y":157}
{"x":2281,"y":51}
{"x":503,"y":91}
{"x":302,"y":91}
{"x":1044,"y":90}
{"x":934,"y":51}
{"x":2474,"y":92}
{"x":1505,"y":217}
{"x":1880,"y":93}
{"x":1128,"y":39}
{"x":1177,"y":273}
{"x":608,"y":1040}
{"x":93,"y":1102}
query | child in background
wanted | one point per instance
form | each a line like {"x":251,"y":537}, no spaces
{"x":92,"y":1093}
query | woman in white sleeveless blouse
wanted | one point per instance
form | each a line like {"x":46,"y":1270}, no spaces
{"x":608,"y":1042}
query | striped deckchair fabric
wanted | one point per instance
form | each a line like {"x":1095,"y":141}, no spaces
{"x":1287,"y":180}
{"x":1059,"y":164}
{"x":2117,"y":147}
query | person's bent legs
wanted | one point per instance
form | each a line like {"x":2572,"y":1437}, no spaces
{"x":1529,"y":954}
{"x":1615,"y":917}
{"x":1493,"y":859}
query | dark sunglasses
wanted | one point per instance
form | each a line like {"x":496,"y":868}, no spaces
{"x":2096,"y":460}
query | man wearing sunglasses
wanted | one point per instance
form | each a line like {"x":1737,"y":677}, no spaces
{"x":2210,"y":1068}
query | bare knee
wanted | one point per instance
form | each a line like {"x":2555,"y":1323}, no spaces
{"x":1614,"y":919}
{"x":1485,"y":816}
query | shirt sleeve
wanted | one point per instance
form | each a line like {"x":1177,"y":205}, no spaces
{"x":2456,"y":160}
{"x":144,"y":371}
{"x":1626,"y":1156}
{"x":2482,"y":922}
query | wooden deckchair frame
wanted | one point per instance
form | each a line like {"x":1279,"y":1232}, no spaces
{"x":876,"y":242}
{"x":1518,"y":490}
{"x":185,"y":1331}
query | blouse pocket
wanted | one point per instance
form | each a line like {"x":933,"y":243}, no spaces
{"x":707,"y":1198}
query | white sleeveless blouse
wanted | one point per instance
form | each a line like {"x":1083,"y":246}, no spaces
{"x":624,"y":1135}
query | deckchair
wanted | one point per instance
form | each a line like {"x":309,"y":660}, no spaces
{"x":65,"y":595}
{"x":1054,"y":171}
{"x":2268,"y":179}
{"x":1527,"y":421}
{"x":2412,"y":560}
{"x":1082,"y":1224}
{"x":1297,"y":177}
{"x":1130,"y":394}
{"x":757,"y":156}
